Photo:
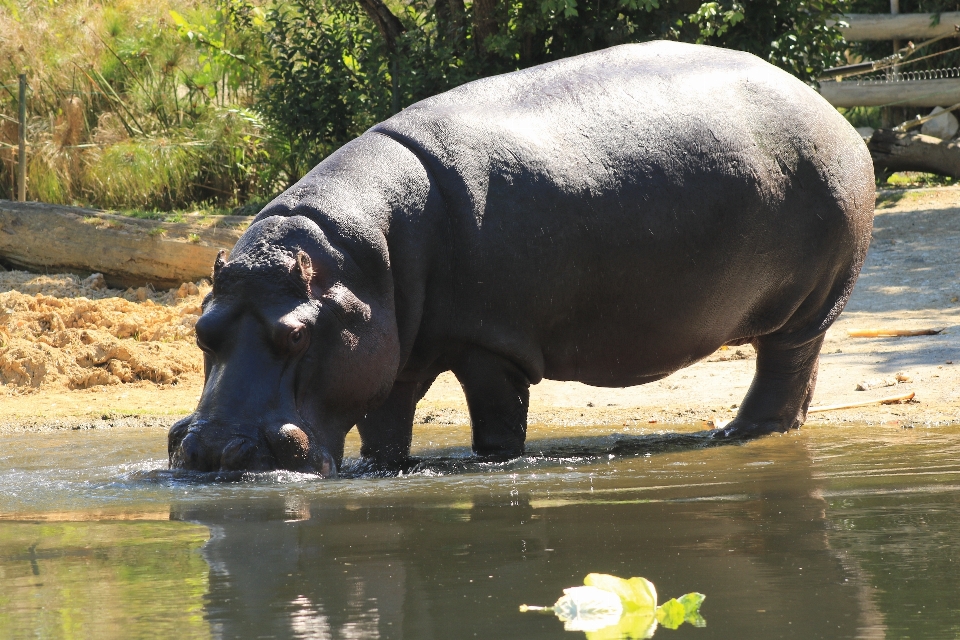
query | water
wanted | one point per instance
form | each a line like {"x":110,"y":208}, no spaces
{"x":832,"y":532}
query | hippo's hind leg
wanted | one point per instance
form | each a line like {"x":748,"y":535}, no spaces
{"x":782,"y":386}
{"x":387,"y":432}
{"x":498,"y":395}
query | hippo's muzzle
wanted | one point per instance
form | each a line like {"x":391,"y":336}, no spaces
{"x":201,"y":445}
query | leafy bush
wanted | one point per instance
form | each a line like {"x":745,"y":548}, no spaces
{"x":333,"y":68}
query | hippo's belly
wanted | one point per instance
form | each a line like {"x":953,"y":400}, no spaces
{"x":624,"y":289}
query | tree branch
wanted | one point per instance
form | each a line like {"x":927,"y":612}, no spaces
{"x":388,"y":24}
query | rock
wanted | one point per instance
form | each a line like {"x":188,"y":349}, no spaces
{"x":187,"y":289}
{"x":95,"y":281}
{"x":865,"y":132}
{"x":943,"y":127}
{"x":876,"y":383}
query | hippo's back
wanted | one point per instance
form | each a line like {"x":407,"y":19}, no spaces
{"x":640,"y":206}
{"x":653,"y":104}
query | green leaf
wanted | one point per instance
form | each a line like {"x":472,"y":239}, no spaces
{"x":638,"y":594}
{"x":671,"y":613}
{"x":691,"y":608}
{"x":675,"y":612}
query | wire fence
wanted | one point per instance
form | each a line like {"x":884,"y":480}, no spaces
{"x":908,"y":76}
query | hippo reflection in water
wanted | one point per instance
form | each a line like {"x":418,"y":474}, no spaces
{"x":608,"y":218}
{"x":409,"y":564}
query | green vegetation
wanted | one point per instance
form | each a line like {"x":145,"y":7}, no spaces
{"x":907,"y":179}
{"x":334,"y":70}
{"x":862,"y":116}
{"x":223,"y":103}
{"x":127,"y":108}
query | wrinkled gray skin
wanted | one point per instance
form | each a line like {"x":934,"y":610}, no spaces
{"x":609,"y":218}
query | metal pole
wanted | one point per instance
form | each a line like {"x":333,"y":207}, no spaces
{"x":22,"y":154}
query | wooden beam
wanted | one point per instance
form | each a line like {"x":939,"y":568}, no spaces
{"x":902,"y":26}
{"x":909,"y":93}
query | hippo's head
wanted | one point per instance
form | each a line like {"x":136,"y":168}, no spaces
{"x":299,"y":341}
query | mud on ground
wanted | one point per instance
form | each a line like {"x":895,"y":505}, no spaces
{"x":76,"y":356}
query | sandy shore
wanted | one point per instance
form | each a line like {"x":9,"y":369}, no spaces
{"x":909,"y":281}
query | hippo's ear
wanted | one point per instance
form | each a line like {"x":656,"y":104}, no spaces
{"x":305,"y":267}
{"x":218,"y":263}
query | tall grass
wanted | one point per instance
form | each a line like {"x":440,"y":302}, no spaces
{"x":134,"y":104}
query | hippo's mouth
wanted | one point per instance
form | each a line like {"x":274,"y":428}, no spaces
{"x":196,"y":446}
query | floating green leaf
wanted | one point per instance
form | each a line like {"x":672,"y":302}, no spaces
{"x":611,"y":608}
{"x":691,"y":608}
{"x":670,"y":614}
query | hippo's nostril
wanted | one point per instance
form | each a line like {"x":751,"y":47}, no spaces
{"x":189,"y":454}
{"x":237,"y":455}
{"x":290,"y":445}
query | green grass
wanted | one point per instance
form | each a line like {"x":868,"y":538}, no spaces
{"x":127,"y":111}
{"x":914,"y":179}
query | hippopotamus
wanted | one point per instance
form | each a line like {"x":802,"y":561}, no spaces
{"x":608,"y":218}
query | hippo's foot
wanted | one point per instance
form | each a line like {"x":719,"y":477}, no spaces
{"x":781,"y":390}
{"x":498,"y":456}
{"x":739,"y":429}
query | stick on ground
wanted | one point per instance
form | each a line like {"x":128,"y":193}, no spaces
{"x":866,"y":403}
{"x":891,"y":333}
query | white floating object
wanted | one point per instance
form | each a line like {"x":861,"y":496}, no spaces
{"x":588,"y":608}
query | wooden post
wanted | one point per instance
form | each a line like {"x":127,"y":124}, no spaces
{"x":888,"y":115}
{"x":895,"y":10}
{"x":22,"y":153}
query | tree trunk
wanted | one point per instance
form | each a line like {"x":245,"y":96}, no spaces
{"x":454,"y":15}
{"x":914,"y":152}
{"x":484,"y":23}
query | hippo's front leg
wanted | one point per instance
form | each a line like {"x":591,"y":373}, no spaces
{"x":498,"y":395}
{"x":387,"y":431}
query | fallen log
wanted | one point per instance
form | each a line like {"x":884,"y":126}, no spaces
{"x":896,"y":151}
{"x":127,"y":251}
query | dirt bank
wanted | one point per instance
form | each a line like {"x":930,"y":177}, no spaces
{"x":909,"y":282}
